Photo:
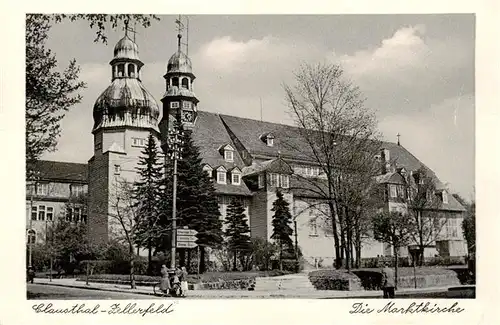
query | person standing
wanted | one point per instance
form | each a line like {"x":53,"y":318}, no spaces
{"x":31,"y":274}
{"x":388,"y":281}
{"x":183,"y":279}
{"x":165,"y":280}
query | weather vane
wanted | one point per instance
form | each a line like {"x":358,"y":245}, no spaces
{"x":180,"y":30}
{"x":129,"y":29}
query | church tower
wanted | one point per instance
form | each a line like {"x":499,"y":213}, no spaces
{"x":179,"y":101}
{"x":125,"y":114}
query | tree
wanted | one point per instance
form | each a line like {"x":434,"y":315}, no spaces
{"x":338,"y":133}
{"x":197,"y":205}
{"x":469,"y":223}
{"x":281,"y":225}
{"x":49,"y":92}
{"x":238,"y":231}
{"x":395,"y":229}
{"x":125,"y":225}
{"x":147,"y":194}
{"x":423,"y":208}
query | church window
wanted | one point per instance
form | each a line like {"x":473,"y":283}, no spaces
{"x":228,"y":155}
{"x":174,"y":105}
{"x":393,"y":191}
{"x":175,"y":82}
{"x":314,"y":227}
{"x":185,"y":83}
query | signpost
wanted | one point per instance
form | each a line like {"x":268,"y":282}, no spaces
{"x":186,"y":238}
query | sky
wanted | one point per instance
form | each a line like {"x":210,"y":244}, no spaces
{"x":416,"y":72}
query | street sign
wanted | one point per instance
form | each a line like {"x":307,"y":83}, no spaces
{"x":186,"y":238}
{"x":186,"y":232}
{"x":186,"y":244}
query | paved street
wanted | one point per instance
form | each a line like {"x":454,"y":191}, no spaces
{"x":38,"y":291}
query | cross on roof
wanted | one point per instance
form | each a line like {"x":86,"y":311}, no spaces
{"x":129,"y":29}
{"x":398,"y":135}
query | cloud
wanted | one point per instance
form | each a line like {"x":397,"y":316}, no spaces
{"x":443,"y":138}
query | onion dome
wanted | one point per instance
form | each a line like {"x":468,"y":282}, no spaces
{"x":126,"y":102}
{"x":126,"y":49}
{"x":179,"y":63}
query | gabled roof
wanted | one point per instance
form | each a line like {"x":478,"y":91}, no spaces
{"x":390,"y":178}
{"x":62,"y":171}
{"x":277,"y":165}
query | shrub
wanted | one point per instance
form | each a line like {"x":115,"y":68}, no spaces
{"x":370,"y":280}
{"x":444,"y":261}
{"x":334,"y":280}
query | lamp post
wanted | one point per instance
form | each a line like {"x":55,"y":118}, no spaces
{"x":174,"y":149}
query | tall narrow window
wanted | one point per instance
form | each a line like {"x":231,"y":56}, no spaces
{"x":284,"y":181}
{"x":185,"y":83}
{"x":274,"y":180}
{"x":34,"y":213}
{"x":228,"y":155}
{"x":31,"y":236}
{"x":236,"y":178}
{"x":42,"y":189}
{"x":261,"y":180}
{"x":41,"y":212}
{"x":221,"y":176}
{"x":393,"y":191}
{"x":314,"y":227}
{"x":175,"y":82}
{"x":50,"y":213}
{"x":445,"y":197}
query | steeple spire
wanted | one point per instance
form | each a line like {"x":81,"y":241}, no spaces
{"x":398,"y":135}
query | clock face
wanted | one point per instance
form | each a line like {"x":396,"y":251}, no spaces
{"x":187,"y":116}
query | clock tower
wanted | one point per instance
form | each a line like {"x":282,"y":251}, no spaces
{"x":179,"y":101}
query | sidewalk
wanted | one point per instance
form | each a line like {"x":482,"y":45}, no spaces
{"x":228,"y":294}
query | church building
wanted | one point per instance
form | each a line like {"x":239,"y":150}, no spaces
{"x":246,"y":159}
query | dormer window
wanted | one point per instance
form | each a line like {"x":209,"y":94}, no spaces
{"x":221,"y":175}
{"x":268,"y":138}
{"x":207,"y":169}
{"x":236,"y":176}
{"x":445,"y":197}
{"x":228,"y":152}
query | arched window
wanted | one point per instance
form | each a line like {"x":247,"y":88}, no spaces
{"x":175,"y":81}
{"x":121,"y":70}
{"x":185,"y":83}
{"x":31,"y":236}
{"x":131,"y":70}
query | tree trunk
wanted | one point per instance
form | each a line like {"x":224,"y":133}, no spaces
{"x":396,"y":259}
{"x":281,"y":256}
{"x":150,"y":258}
{"x":333,"y":213}
{"x":234,"y":260}
{"x":202,"y":259}
{"x":357,"y":243}
{"x":188,"y":265}
{"x":132,"y":271}
{"x":347,"y":240}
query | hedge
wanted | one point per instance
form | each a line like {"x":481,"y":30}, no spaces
{"x":370,"y":279}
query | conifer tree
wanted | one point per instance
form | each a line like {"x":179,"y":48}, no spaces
{"x":281,"y":224}
{"x":197,"y":205}
{"x":146,"y":195}
{"x":238,"y":231}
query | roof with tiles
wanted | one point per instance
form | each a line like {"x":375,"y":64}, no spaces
{"x":62,"y":171}
{"x":209,"y":134}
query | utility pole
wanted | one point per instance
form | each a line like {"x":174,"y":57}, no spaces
{"x":175,"y":152}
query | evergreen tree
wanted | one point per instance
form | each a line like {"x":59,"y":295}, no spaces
{"x":281,"y":224}
{"x":197,"y":205}
{"x":237,"y":231}
{"x":146,"y":195}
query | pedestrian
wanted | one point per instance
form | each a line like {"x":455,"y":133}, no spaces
{"x":184,"y":283}
{"x":165,"y":280}
{"x":388,"y":281}
{"x":31,"y":274}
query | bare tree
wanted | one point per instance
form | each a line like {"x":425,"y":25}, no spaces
{"x":424,"y":208}
{"x":124,"y":215}
{"x":338,"y":134}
